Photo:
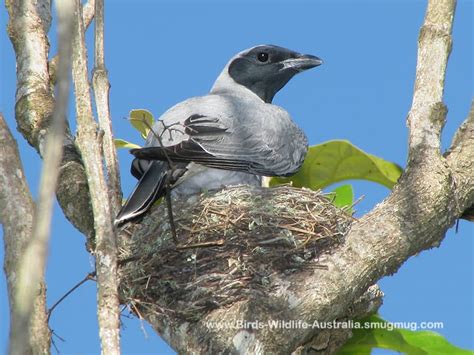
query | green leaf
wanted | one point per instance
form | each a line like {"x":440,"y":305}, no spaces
{"x":142,"y":120}
{"x":343,"y":196}
{"x":339,"y":160}
{"x":120,"y":143}
{"x":382,"y":335}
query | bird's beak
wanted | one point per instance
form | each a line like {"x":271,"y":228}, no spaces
{"x":302,"y":62}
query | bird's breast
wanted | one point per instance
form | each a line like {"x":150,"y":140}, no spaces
{"x":199,"y":179}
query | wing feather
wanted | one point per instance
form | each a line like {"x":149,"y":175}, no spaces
{"x":253,"y":145}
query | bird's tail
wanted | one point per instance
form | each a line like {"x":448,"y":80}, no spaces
{"x":149,"y":188}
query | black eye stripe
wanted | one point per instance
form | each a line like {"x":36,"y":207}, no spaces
{"x":262,"y":57}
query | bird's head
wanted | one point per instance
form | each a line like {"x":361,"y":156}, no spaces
{"x":265,"y":69}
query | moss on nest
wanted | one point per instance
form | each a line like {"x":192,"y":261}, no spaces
{"x":232,"y":244}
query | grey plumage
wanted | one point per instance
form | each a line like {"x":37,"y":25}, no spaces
{"x":232,"y":136}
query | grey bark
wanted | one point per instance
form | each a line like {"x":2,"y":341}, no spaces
{"x":16,"y":217}
{"x":28,"y":25}
{"x":101,"y":87}
{"x":31,"y":265}
{"x":89,"y":141}
{"x":87,"y":16}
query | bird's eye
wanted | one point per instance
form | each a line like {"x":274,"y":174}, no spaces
{"x":262,"y":57}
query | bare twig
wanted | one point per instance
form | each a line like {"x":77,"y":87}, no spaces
{"x":169,"y":206}
{"x":88,"y":12}
{"x":171,"y":168}
{"x":101,"y":87}
{"x":89,"y":276}
{"x":216,"y":243}
{"x":106,"y":249}
{"x":32,"y":262}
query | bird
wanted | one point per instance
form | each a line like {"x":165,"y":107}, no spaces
{"x":233,"y":135}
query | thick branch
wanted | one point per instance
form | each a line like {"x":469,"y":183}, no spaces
{"x":16,"y":217}
{"x":89,"y":142}
{"x":27,"y":28}
{"x":101,"y":90}
{"x":427,"y":114}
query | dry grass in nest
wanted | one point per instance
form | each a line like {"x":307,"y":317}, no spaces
{"x":231,"y":246}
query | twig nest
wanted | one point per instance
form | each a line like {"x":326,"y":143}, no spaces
{"x":231,"y":246}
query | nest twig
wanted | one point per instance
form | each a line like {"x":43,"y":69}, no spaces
{"x":232,"y":244}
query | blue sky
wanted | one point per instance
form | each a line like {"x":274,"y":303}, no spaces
{"x":161,"y":52}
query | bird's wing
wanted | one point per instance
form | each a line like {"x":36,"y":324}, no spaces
{"x":217,"y":143}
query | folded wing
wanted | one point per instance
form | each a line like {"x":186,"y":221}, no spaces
{"x":212,"y":143}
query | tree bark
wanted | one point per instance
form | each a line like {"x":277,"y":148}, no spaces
{"x":28,"y":27}
{"x":101,"y":87}
{"x":89,"y":141}
{"x":31,"y":267}
{"x":29,"y":332}
{"x":16,"y":217}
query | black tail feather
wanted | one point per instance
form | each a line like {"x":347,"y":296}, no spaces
{"x":150,"y":188}
{"x":139,"y":167}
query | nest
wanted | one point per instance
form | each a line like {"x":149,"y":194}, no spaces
{"x":231,"y":246}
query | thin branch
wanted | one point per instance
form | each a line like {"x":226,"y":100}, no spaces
{"x":87,"y":17}
{"x":88,"y":12}
{"x":89,"y":276}
{"x":106,"y":249}
{"x":32,"y":262}
{"x":101,"y":87}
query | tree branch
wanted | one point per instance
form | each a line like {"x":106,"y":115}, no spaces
{"x":89,"y":144}
{"x":28,"y":294}
{"x":31,"y":266}
{"x":87,"y":16}
{"x":427,"y":114}
{"x":429,"y":197}
{"x":460,"y":157}
{"x":101,"y":87}
{"x":27,"y":28}
{"x":16,"y":217}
